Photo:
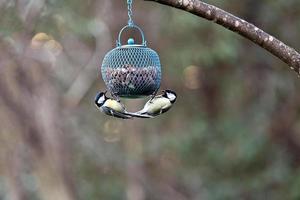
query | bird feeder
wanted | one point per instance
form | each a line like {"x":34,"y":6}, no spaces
{"x":131,"y":70}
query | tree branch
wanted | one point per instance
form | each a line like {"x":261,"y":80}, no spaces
{"x":285,"y":53}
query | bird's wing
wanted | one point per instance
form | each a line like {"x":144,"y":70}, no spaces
{"x":115,"y":113}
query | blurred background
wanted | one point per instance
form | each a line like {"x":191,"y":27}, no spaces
{"x":234,"y":132}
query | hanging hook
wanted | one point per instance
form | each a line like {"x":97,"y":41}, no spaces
{"x":130,"y":21}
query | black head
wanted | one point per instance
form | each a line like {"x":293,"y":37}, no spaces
{"x":100,"y":99}
{"x":171,"y":95}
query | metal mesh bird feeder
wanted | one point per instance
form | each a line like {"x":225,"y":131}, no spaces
{"x":131,"y":70}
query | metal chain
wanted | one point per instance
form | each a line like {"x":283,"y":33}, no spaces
{"x":130,"y":21}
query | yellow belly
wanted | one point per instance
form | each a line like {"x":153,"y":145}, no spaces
{"x":157,"y":105}
{"x":114,"y":105}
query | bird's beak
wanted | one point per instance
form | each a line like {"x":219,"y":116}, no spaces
{"x":105,"y":91}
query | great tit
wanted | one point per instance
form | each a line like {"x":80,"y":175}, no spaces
{"x":157,"y":105}
{"x":110,"y":106}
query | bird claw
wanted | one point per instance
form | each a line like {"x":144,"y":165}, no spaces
{"x":152,"y":96}
{"x":116,"y":97}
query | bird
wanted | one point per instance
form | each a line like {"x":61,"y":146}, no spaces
{"x":110,"y":106}
{"x":157,"y":105}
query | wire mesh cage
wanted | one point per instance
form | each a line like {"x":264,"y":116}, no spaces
{"x":131,"y":70}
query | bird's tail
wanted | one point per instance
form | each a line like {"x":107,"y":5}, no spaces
{"x":139,"y":115}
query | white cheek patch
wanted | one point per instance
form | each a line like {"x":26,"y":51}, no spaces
{"x":171,"y":96}
{"x":101,"y":99}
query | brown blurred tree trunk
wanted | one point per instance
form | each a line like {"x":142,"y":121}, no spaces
{"x":133,"y":145}
{"x":31,"y":135}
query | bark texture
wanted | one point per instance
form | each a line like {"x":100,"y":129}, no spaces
{"x":284,"y":52}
